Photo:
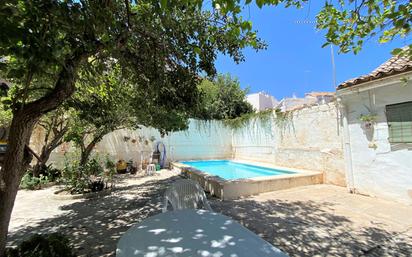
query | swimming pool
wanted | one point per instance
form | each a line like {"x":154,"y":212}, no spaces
{"x":230,"y":170}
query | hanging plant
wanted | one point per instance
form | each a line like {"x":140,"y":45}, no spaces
{"x":368,"y":120}
{"x":152,"y":139}
{"x":265,"y":117}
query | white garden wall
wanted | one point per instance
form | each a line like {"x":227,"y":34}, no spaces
{"x":310,"y":139}
{"x":202,"y":140}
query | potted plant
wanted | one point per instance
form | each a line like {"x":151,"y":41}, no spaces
{"x":368,"y":120}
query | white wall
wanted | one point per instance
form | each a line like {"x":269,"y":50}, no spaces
{"x":386,"y":171}
{"x":310,"y":140}
{"x":202,"y":140}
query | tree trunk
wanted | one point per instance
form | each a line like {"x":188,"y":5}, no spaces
{"x":17,"y":159}
{"x":47,"y":149}
{"x":85,"y":154}
{"x":41,"y":164}
{"x":16,"y":162}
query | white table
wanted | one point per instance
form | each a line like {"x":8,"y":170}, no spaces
{"x":193,"y":233}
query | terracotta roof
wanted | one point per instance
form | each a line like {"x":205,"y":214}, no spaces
{"x":393,"y":66}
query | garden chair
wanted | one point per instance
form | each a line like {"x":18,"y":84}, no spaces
{"x":185,"y":194}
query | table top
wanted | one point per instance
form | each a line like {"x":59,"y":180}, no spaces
{"x":193,"y":233}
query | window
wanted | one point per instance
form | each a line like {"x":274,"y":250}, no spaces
{"x":399,"y":118}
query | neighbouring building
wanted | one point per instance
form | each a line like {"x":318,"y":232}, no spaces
{"x":320,"y":97}
{"x":310,"y":99}
{"x":377,"y":127}
{"x":261,"y":101}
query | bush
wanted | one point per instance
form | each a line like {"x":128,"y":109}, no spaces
{"x":51,"y":173}
{"x":31,"y":183}
{"x":51,"y":245}
{"x":47,"y":174}
{"x":88,"y":178}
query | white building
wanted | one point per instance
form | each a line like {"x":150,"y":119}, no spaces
{"x":310,"y":99}
{"x":377,"y":128}
{"x":262,"y":101}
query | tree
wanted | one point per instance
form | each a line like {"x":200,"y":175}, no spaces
{"x":222,"y":98}
{"x":55,"y":125}
{"x":350,"y":23}
{"x":101,"y":104}
{"x":161,"y":46}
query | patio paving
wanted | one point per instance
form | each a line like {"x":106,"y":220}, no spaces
{"x":306,"y":221}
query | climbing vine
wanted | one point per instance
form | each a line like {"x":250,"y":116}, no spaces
{"x":281,"y":120}
{"x":242,"y":121}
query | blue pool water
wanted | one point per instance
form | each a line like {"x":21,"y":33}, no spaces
{"x":234,"y":170}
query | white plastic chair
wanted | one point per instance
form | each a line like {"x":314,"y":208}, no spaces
{"x":185,"y":194}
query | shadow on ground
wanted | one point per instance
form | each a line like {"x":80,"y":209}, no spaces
{"x":299,"y":228}
{"x":307,"y":228}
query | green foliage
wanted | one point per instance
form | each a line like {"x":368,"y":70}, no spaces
{"x":350,"y":23}
{"x":283,"y":120}
{"x":110,"y":166}
{"x":51,"y":245}
{"x":5,"y":116}
{"x":32,"y":183}
{"x":161,"y":47}
{"x":368,"y":117}
{"x":221,"y":99}
{"x":265,"y":117}
{"x":82,"y":179}
{"x":47,"y":174}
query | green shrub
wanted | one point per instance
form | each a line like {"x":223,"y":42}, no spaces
{"x":47,"y":174}
{"x":90,"y":177}
{"x":31,"y":183}
{"x":51,"y":173}
{"x":51,"y":245}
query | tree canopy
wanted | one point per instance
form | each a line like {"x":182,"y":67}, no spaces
{"x":351,"y":23}
{"x":222,"y":98}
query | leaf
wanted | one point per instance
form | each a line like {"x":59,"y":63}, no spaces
{"x":396,"y":51}
{"x":163,"y":4}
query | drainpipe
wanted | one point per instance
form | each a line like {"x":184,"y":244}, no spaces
{"x":347,"y":147}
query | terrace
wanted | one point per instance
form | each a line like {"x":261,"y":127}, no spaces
{"x":303,"y":221}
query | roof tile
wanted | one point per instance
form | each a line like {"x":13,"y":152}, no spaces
{"x":393,"y":66}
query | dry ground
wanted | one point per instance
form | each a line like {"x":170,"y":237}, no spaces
{"x":318,"y":220}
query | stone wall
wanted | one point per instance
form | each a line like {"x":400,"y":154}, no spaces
{"x":311,"y":138}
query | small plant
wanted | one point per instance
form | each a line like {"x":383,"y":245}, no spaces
{"x":152,"y":139}
{"x":51,"y":245}
{"x":368,"y":117}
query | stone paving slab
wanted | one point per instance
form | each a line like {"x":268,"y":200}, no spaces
{"x":318,"y":220}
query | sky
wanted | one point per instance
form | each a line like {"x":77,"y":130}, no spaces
{"x":294,"y":62}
